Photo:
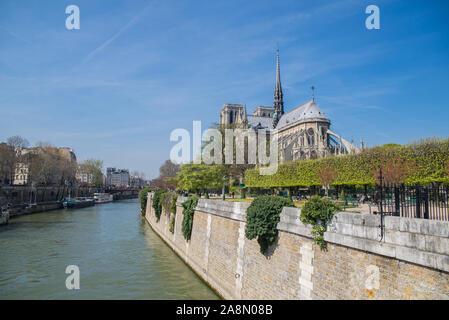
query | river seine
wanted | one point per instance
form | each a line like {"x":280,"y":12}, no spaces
{"x":117,"y":253}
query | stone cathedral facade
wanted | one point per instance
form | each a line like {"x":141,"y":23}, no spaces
{"x":303,"y":132}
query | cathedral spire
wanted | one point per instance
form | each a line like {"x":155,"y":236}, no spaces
{"x":245,"y":117}
{"x":278,"y":96}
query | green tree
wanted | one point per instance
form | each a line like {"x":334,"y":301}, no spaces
{"x":420,"y":162}
{"x":197,"y":177}
{"x":94,"y":168}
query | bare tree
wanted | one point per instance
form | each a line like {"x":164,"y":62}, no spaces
{"x":8,"y":161}
{"x":327,"y":175}
{"x":49,"y":165}
{"x":395,"y":171}
{"x":18,"y":142}
{"x":160,"y":183}
{"x":168,"y":170}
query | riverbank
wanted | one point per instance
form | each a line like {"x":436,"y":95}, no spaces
{"x":19,"y":210}
{"x":47,"y":198}
{"x":24,"y":209}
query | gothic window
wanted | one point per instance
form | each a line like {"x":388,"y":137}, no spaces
{"x":310,"y":140}
{"x":310,"y":137}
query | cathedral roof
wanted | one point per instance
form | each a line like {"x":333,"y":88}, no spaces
{"x":265,"y":122}
{"x":308,"y":110}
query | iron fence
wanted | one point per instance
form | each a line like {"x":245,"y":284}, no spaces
{"x":412,"y":201}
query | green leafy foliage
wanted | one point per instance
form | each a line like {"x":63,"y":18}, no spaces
{"x":171,"y":228}
{"x":188,"y":211}
{"x":93,"y":167}
{"x":196,"y":177}
{"x":158,"y":199}
{"x":318,"y":212}
{"x":173,"y":199}
{"x":262,"y":218}
{"x":426,"y":162}
{"x":143,"y":196}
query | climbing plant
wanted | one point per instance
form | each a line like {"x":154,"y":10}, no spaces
{"x":158,"y":198}
{"x":318,"y":212}
{"x":143,"y":196}
{"x":172,"y":225}
{"x":173,"y":199}
{"x":188,"y":211}
{"x":262,"y":218}
{"x":172,"y":210}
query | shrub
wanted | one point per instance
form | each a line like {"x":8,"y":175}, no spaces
{"x":158,"y":198}
{"x":188,"y":212}
{"x":318,"y":212}
{"x":143,"y":196}
{"x":262,"y":217}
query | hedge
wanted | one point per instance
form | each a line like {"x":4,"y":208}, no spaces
{"x":428,"y":161}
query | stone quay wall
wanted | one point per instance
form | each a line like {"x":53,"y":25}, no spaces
{"x":366,"y":258}
{"x":26,"y":194}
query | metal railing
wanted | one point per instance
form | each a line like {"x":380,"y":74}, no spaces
{"x":412,"y":201}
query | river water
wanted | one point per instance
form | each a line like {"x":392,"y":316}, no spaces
{"x":118,"y":255}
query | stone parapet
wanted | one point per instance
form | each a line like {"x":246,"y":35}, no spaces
{"x":420,"y":241}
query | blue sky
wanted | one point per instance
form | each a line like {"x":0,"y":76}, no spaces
{"x":136,"y":70}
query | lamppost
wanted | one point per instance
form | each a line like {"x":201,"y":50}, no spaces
{"x":224,"y":185}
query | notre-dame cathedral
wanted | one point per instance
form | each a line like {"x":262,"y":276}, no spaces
{"x":303,"y":132}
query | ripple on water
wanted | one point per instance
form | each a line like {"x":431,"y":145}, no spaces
{"x":119,"y":256}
